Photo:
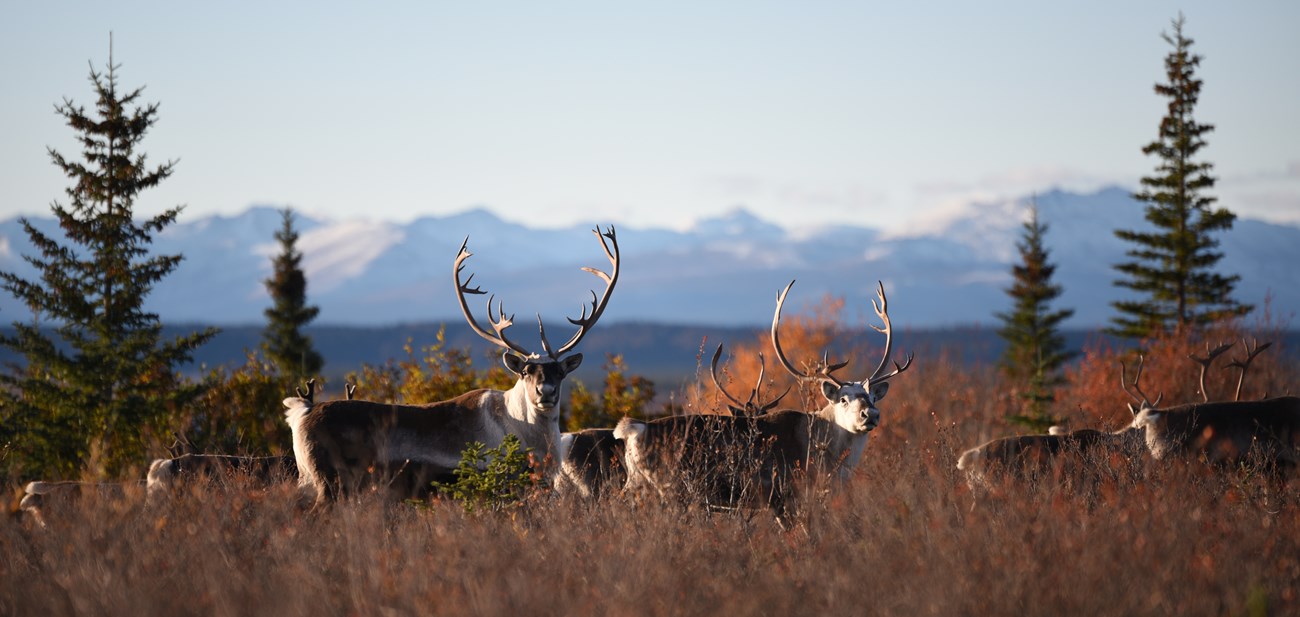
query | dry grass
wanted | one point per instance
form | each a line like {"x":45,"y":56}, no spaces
{"x":904,"y":537}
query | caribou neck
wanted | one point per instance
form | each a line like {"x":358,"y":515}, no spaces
{"x":518,"y":408}
{"x":538,"y":431}
{"x":837,"y":446}
{"x":827,"y":413}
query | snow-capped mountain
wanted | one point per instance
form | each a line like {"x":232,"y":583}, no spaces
{"x":723,"y":270}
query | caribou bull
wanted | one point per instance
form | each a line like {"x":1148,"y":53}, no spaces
{"x":345,"y":445}
{"x":1219,"y":432}
{"x":730,"y":460}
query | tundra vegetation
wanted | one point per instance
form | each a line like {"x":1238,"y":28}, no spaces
{"x":1102,"y":531}
{"x":904,"y":536}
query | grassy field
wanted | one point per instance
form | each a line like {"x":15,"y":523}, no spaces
{"x":1118,"y":535}
{"x":904,"y":537}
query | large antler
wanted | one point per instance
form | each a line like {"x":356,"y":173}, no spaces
{"x":1142,"y":401}
{"x":1244,"y":365}
{"x":1205,"y":362}
{"x":500,"y":324}
{"x":882,"y":311}
{"x":598,"y":305}
{"x":754,"y":405}
{"x":826,"y":368}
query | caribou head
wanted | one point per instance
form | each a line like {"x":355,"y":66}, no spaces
{"x":1145,"y":406}
{"x":850,"y":404}
{"x":540,"y":378}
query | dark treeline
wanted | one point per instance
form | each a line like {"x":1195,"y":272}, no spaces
{"x":668,"y":354}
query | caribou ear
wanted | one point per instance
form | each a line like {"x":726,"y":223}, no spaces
{"x":878,"y":390}
{"x":830,"y":389}
{"x":571,"y":363}
{"x":514,"y":363}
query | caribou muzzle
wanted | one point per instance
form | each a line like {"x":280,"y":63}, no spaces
{"x":869,"y":420}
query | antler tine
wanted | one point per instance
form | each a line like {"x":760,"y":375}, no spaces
{"x":754,"y":394}
{"x":1142,"y":400}
{"x":759,"y":405}
{"x":349,"y":389}
{"x":499,"y":326}
{"x":898,"y":368}
{"x":1244,"y":365}
{"x":546,"y":344}
{"x":828,"y":367}
{"x":713,"y":371}
{"x":1206,"y":361}
{"x":776,"y":343}
{"x":310,"y":396}
{"x":777,"y":401}
{"x":598,"y":305}
{"x":882,"y":311}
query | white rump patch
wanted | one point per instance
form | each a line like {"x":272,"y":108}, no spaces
{"x":160,"y":477}
{"x":629,"y":431}
{"x":297,"y":409}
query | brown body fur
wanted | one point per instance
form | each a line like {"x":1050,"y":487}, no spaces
{"x":1226,"y":432}
{"x":165,"y":473}
{"x":1031,"y":456}
{"x":592,"y":462}
{"x":345,"y":445}
{"x":734,"y":460}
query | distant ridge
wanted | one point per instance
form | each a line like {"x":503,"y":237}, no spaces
{"x":722,"y":271}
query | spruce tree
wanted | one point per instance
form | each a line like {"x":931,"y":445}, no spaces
{"x":99,"y":379}
{"x":1172,"y":265}
{"x":283,"y":340}
{"x":1035,"y":349}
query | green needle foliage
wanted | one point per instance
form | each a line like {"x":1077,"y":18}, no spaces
{"x":1172,"y":265}
{"x":99,"y":381}
{"x":1035,"y":349}
{"x":491,"y":480}
{"x":285,"y":345}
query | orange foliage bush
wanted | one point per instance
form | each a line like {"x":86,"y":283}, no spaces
{"x":1093,"y":397}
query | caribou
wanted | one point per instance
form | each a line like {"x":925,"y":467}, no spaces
{"x":591,"y":461}
{"x":1219,"y":432}
{"x":344,"y":445}
{"x":1029,"y":457}
{"x":731,"y":460}
{"x":39,"y":496}
{"x":167,"y":474}
{"x":593,"y":458}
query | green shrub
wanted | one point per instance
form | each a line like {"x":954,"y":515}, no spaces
{"x":491,"y":480}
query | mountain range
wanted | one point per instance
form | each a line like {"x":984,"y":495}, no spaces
{"x":722,"y":271}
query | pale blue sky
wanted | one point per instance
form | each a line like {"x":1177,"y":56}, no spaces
{"x":880,"y":114}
